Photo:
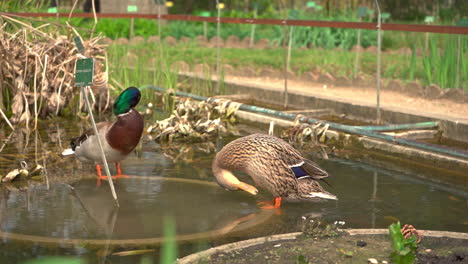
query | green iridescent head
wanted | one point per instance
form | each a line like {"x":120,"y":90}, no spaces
{"x":128,"y":99}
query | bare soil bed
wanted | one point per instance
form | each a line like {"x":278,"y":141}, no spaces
{"x":437,"y":108}
{"x":343,"y":249}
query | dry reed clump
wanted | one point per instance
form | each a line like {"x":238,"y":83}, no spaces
{"x":195,"y":121}
{"x":312,"y":135}
{"x":37,"y":70}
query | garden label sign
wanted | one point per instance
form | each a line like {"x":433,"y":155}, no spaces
{"x":132,"y":8}
{"x":84,"y":72}
{"x":79,"y":44}
{"x":52,"y":9}
{"x":462,"y":22}
{"x":362,"y":11}
{"x":205,"y":14}
{"x":310,"y":4}
{"x":385,"y":16}
{"x":429,"y":19}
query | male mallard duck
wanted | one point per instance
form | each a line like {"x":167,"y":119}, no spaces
{"x":274,"y":165}
{"x":118,"y":138}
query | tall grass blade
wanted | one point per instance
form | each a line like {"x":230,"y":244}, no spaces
{"x":169,"y":247}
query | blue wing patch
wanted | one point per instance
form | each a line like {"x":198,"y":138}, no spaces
{"x":299,"y":172}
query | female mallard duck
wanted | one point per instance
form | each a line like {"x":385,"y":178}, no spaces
{"x":118,"y":138}
{"x":274,"y":165}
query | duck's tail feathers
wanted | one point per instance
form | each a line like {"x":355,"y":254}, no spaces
{"x":323,"y":195}
{"x":68,"y":152}
{"x":326,"y":182}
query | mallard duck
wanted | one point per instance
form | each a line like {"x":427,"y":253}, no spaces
{"x":118,"y":138}
{"x":274,"y":165}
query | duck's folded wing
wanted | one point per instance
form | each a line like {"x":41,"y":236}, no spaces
{"x":102,"y":128}
{"x":308,"y":169}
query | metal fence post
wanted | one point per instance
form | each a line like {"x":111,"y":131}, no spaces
{"x":459,"y":48}
{"x":285,"y":66}
{"x":379,"y":53}
{"x":218,"y":51}
{"x":358,"y":50}
{"x":252,"y":31}
{"x":291,"y":28}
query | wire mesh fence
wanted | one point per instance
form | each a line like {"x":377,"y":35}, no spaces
{"x":301,"y":51}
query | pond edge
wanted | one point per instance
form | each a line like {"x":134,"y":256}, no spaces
{"x":193,"y":258}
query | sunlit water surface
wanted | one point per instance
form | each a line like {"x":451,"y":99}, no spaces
{"x":71,"y":206}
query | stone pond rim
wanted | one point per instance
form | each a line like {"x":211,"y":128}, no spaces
{"x":202,"y":255}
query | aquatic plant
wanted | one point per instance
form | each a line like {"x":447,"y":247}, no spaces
{"x":300,"y":132}
{"x":318,"y":228}
{"x":404,"y":249}
{"x":23,"y":172}
{"x":302,"y":260}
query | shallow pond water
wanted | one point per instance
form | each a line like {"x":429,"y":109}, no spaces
{"x":68,"y":214}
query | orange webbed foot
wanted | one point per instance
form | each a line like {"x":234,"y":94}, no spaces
{"x":120,"y":176}
{"x":99,"y":175}
{"x":119,"y":172}
{"x":275,"y":204}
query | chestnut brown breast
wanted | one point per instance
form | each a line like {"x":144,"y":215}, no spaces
{"x":126,"y":132}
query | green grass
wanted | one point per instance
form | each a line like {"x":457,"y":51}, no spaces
{"x":440,"y":66}
{"x":427,"y":67}
{"x":303,"y":60}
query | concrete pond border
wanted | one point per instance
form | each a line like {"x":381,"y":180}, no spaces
{"x":195,"y":257}
{"x":453,"y":128}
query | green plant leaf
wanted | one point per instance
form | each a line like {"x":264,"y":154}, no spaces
{"x":55,"y":260}
{"x":169,"y":247}
{"x":396,"y":236}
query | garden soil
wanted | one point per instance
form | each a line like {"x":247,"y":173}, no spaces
{"x":343,"y":249}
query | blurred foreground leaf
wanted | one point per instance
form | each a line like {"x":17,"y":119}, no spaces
{"x":169,"y":247}
{"x":56,"y":260}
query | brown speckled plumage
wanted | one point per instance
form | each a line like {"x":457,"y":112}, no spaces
{"x":268,"y":160}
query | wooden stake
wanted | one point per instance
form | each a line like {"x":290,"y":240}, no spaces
{"x":104,"y":160}
{"x":6,"y":119}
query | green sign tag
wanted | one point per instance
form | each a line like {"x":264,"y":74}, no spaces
{"x":205,"y":13}
{"x":310,"y":4}
{"x":462,"y":22}
{"x":132,"y":8}
{"x":362,"y":11}
{"x":319,"y":7}
{"x":293,"y":14}
{"x":79,"y":44}
{"x":429,"y":19}
{"x":52,"y":9}
{"x":84,"y":72}
{"x":385,"y":15}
